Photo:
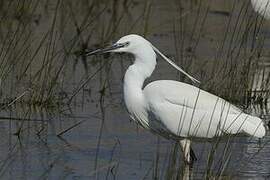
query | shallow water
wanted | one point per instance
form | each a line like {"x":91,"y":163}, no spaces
{"x":93,"y":137}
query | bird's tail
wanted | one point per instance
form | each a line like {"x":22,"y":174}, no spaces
{"x":254,"y":126}
{"x":244,"y":123}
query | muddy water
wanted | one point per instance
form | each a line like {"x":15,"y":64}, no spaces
{"x":96,"y":138}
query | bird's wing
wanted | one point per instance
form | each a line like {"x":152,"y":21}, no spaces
{"x":183,"y":94}
{"x":187,"y":110}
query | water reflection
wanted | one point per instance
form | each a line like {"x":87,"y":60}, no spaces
{"x":118,"y":150}
{"x":187,"y":172}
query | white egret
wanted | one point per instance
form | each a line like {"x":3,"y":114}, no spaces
{"x":262,"y":7}
{"x":174,"y":109}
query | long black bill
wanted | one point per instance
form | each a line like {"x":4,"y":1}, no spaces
{"x":108,"y":49}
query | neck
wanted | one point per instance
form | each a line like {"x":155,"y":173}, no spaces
{"x":142,"y":68}
{"x":135,"y":76}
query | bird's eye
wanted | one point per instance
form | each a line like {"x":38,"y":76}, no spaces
{"x":126,"y":43}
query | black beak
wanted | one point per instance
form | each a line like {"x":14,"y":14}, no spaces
{"x":101,"y":51}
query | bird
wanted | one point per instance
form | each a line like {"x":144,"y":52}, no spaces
{"x":174,"y":109}
{"x":262,"y":7}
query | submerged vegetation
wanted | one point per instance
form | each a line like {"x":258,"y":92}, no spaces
{"x":47,"y":91}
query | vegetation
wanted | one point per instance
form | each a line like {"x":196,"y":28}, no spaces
{"x":46,"y":89}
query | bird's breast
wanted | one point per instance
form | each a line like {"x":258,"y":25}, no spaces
{"x":136,"y":105}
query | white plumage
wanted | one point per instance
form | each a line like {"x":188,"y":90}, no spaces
{"x":262,"y":7}
{"x":188,"y":111}
{"x":175,"y":109}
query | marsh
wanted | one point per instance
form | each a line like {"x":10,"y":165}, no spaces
{"x":63,"y":116}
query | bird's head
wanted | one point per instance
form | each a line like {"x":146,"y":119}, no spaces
{"x":137,"y":46}
{"x":128,"y":44}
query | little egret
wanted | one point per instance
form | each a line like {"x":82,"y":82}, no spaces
{"x":262,"y":7}
{"x":174,"y":109}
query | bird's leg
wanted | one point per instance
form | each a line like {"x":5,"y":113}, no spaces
{"x":185,"y":146}
{"x":192,"y":155}
{"x":188,"y":154}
